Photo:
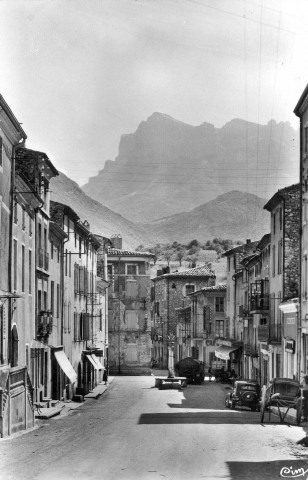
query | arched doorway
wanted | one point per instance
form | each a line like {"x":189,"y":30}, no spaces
{"x":14,"y":338}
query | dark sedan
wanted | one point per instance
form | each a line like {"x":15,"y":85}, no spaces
{"x":246,"y":393}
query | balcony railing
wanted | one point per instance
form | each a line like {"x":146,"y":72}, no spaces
{"x":243,"y":311}
{"x":44,"y":323}
{"x":259,"y":302}
{"x":275,"y":332}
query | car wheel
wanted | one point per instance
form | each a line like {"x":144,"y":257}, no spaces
{"x":233,"y":405}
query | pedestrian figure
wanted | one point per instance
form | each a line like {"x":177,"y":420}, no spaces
{"x":210,"y":374}
{"x":105,"y":376}
{"x":305,"y":393}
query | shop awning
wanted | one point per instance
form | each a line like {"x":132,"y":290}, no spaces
{"x":95,"y":362}
{"x":223,"y":352}
{"x":66,"y":366}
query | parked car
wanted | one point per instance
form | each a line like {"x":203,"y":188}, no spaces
{"x":245,"y":393}
{"x":192,"y":369}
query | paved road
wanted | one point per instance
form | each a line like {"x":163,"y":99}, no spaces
{"x":135,"y":431}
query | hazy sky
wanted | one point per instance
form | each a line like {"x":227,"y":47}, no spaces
{"x":80,"y":73}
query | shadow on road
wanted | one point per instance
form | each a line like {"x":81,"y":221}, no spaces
{"x":268,"y":470}
{"x":211,"y":417}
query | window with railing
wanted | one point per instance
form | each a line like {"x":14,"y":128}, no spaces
{"x":259,"y":295}
{"x":44,"y":323}
{"x":219,"y":328}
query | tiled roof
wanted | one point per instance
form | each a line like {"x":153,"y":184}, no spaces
{"x":202,"y":271}
{"x":265,"y":240}
{"x":242,"y":249}
{"x":214,"y":288}
{"x":280,"y":195}
{"x":127,"y":253}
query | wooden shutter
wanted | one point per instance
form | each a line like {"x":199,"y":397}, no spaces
{"x":81,"y":279}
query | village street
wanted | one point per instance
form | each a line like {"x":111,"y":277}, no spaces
{"x":135,"y":431}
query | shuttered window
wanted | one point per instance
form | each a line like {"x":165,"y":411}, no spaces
{"x":81,"y":280}
{"x":76,"y":278}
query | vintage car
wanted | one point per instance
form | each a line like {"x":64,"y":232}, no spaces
{"x":245,"y":393}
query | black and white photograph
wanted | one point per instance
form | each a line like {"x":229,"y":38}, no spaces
{"x":153,"y":239}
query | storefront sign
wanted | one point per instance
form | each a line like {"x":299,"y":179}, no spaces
{"x":291,"y":321}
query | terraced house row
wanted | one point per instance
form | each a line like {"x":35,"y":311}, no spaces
{"x":53,"y":306}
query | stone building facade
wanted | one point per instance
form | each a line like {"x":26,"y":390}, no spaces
{"x":284,"y":280}
{"x":301,"y":310}
{"x":208,"y":326}
{"x":129,"y":311}
{"x":82,"y":310}
{"x":169,"y":291}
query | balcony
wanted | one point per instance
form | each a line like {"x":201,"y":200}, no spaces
{"x":259,"y":296}
{"x":199,"y":335}
{"x":44,"y":323}
{"x":259,"y":302}
{"x":275,"y":332}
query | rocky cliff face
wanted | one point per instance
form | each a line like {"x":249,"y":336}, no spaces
{"x":167,"y":167}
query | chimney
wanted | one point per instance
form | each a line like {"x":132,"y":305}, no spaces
{"x":116,"y":241}
{"x":248,"y":241}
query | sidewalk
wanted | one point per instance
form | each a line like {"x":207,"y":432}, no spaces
{"x":63,"y":408}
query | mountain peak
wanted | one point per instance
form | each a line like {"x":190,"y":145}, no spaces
{"x":166,"y":166}
{"x":163,"y":117}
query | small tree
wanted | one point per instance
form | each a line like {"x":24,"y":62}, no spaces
{"x":167,"y":255}
{"x":180,"y":254}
